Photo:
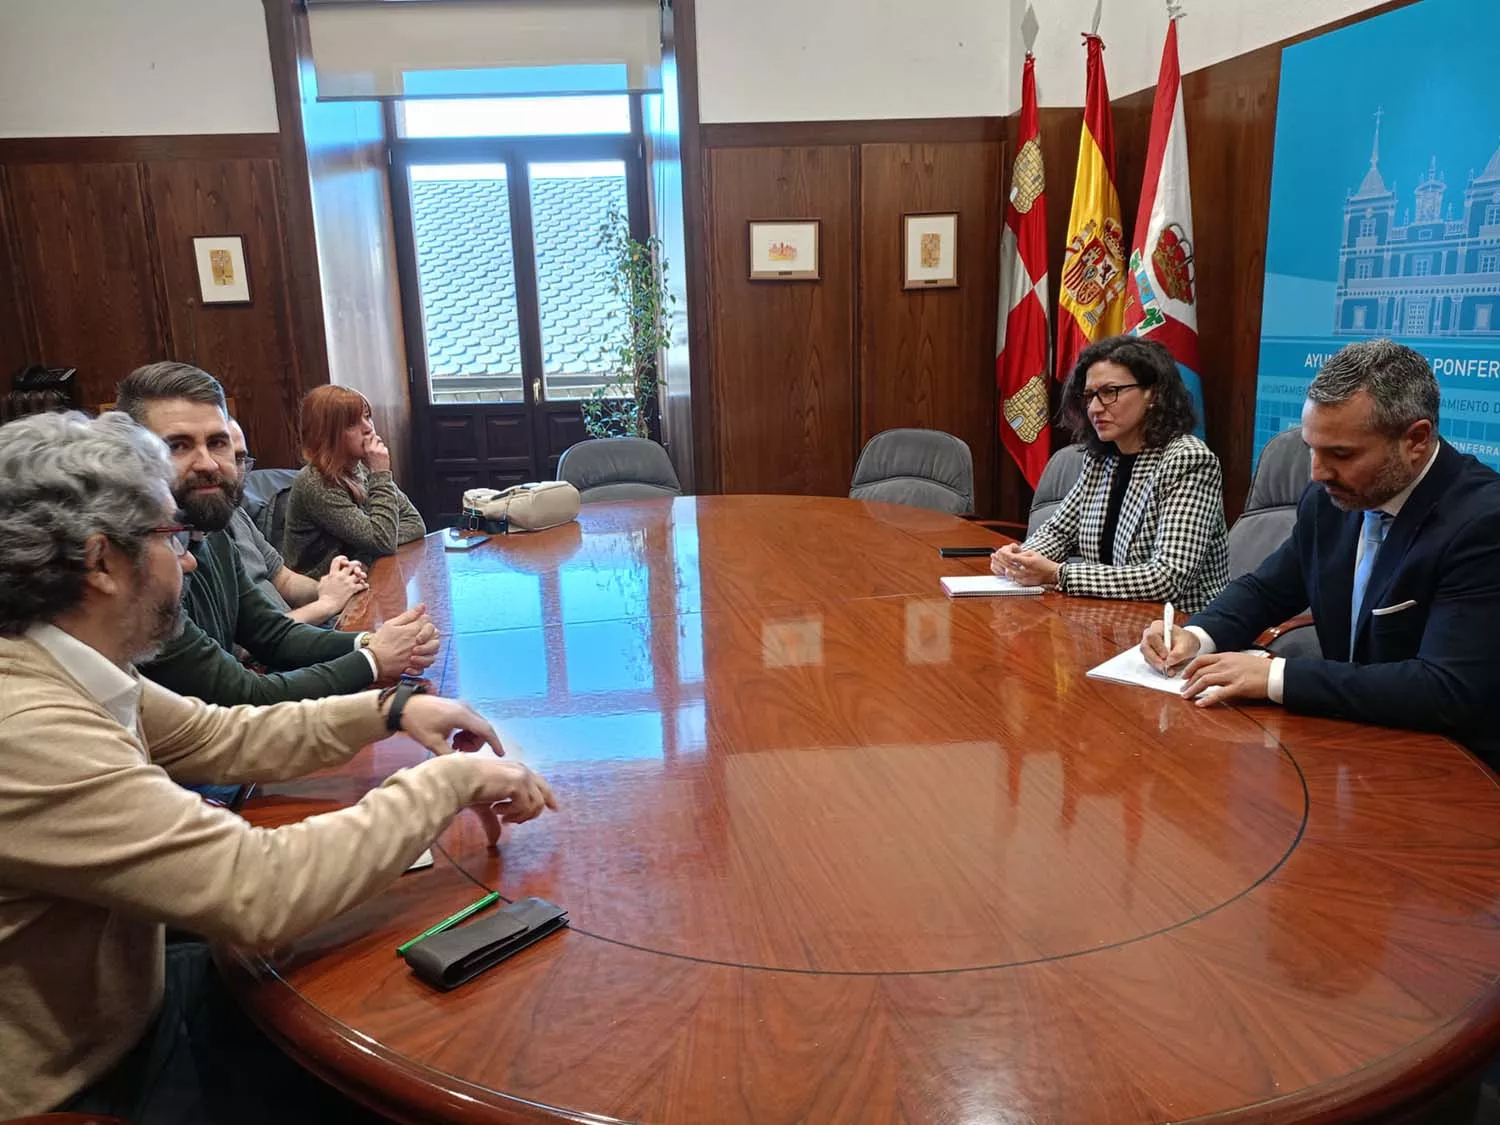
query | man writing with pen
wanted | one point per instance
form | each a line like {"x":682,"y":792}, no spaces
{"x":1396,"y":549}
{"x":102,"y":848}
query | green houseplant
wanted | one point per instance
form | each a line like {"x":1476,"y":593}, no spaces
{"x":640,"y":327}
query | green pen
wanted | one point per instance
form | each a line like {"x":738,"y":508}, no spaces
{"x":448,"y":923}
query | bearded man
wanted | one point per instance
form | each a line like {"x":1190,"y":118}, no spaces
{"x":185,"y":407}
{"x":1396,"y":549}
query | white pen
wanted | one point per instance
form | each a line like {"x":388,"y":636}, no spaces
{"x":1166,"y":633}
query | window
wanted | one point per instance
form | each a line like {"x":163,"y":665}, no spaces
{"x":1416,"y":319}
{"x":515,"y":117}
{"x":515,"y":294}
{"x":1492,"y":214}
{"x":1421,"y":265}
{"x":1489,"y":261}
{"x":466,"y":280}
{"x":1483,"y":318}
{"x":1424,"y":235}
{"x":569,"y":204}
{"x":1367,"y":227}
{"x":1364,"y":269}
{"x":1360,"y":317}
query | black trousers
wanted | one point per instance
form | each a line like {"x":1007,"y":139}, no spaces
{"x":202,"y":1062}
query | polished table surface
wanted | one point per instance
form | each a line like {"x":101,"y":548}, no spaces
{"x":838,"y":849}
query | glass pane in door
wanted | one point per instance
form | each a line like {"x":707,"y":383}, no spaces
{"x":570,"y":202}
{"x":466,"y":277}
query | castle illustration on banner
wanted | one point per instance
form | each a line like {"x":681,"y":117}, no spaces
{"x":1436,"y":274}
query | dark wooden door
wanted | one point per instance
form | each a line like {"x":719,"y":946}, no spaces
{"x":507,"y":299}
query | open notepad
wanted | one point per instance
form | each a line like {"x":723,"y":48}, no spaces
{"x":1130,"y":667}
{"x":985,"y":586}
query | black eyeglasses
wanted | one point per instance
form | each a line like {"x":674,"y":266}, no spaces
{"x":244,"y":462}
{"x":1106,"y":394}
{"x":179,"y":536}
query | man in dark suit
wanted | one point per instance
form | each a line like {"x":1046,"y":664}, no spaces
{"x":1396,"y":549}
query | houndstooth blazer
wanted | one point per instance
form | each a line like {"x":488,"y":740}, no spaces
{"x":1170,"y":542}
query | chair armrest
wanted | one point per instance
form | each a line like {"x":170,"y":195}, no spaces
{"x":1270,"y":636}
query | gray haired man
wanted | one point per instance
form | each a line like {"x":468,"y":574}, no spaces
{"x":1397,"y":550}
{"x":102,"y":849}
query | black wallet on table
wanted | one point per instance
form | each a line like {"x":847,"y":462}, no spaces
{"x":448,"y":959}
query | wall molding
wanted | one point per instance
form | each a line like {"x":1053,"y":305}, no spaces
{"x":134,"y":150}
{"x":897,"y":130}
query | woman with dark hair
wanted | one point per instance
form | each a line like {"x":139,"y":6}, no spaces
{"x":344,"y":501}
{"x":1145,"y":521}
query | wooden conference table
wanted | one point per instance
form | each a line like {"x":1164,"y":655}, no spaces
{"x":837,"y":849}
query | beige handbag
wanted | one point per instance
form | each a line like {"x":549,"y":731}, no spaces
{"x":523,"y":507}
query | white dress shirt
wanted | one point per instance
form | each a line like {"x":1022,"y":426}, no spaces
{"x":1276,"y":684}
{"x":109,"y":685}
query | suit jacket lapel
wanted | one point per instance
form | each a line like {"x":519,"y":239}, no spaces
{"x":1403,"y":533}
{"x":1133,"y":507}
{"x":1331,"y":604}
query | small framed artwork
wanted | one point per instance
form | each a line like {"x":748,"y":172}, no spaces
{"x":223,"y":276}
{"x":931,"y":251}
{"x":784,"y":251}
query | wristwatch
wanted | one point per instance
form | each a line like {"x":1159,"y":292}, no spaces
{"x":363,"y":640}
{"x":398,"y":696}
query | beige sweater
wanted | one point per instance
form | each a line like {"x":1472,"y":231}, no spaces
{"x":99,"y":848}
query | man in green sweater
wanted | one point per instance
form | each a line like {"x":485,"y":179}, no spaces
{"x":185,"y":407}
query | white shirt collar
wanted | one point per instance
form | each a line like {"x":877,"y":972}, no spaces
{"x":113,"y":688}
{"x":1394,"y":505}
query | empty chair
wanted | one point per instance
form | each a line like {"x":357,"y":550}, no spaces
{"x":1061,"y":474}
{"x":622,"y":468}
{"x":919,"y":468}
{"x":1280,"y":479}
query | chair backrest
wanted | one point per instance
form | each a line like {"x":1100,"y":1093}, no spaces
{"x":919,"y":468}
{"x":622,"y":468}
{"x":1063,"y":470}
{"x":267,"y":492}
{"x":1284,"y":472}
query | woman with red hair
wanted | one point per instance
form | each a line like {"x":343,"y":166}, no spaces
{"x":344,"y":502}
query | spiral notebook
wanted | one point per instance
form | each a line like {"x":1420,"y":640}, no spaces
{"x":985,"y":586}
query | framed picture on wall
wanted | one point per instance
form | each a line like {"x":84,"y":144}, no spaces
{"x":223,"y":276}
{"x":784,"y":251}
{"x":931,"y":251}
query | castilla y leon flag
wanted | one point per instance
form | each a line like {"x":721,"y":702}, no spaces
{"x":1091,"y":305}
{"x":1160,"y":298}
{"x":1021,"y":352}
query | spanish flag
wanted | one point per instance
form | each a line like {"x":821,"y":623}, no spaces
{"x":1091,"y":304}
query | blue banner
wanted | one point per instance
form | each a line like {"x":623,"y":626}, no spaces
{"x":1385,"y":211}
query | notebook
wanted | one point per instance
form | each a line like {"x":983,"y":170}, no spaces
{"x":985,"y":586}
{"x":1130,"y":667}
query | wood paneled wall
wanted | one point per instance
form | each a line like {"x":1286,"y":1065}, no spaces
{"x":923,"y":359}
{"x":927,"y":357}
{"x":783,"y":352}
{"x":97,"y":241}
{"x":805,"y":372}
